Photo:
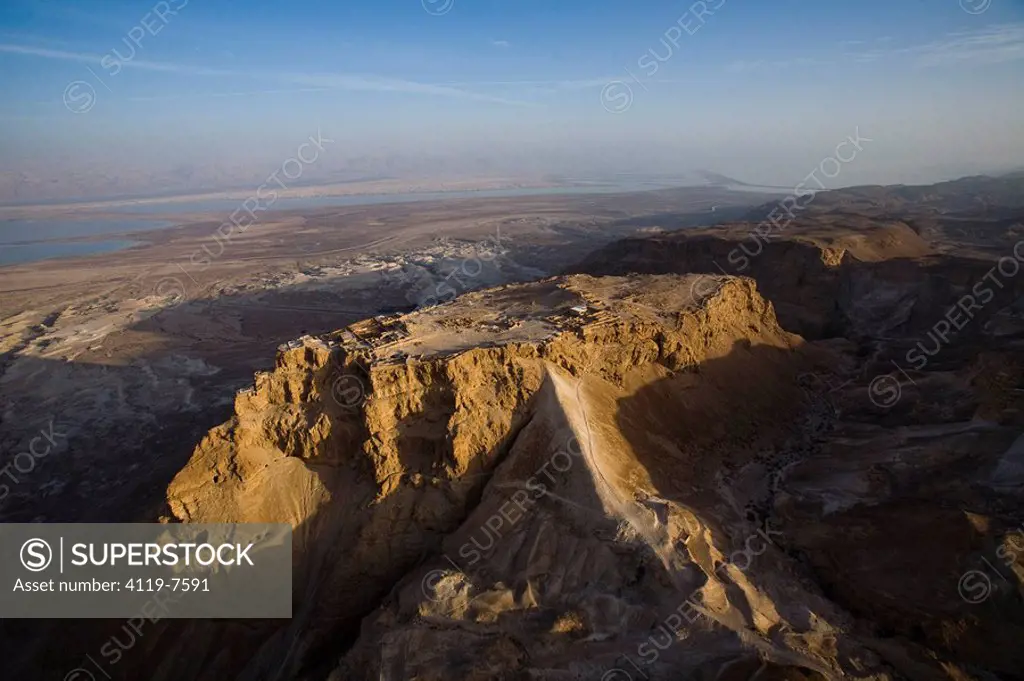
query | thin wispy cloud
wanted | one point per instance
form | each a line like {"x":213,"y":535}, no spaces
{"x":500,"y":43}
{"x":354,"y":82}
{"x":41,"y":40}
{"x":311,"y":82}
{"x":244,"y":93}
{"x":95,"y":60}
{"x":990,"y":45}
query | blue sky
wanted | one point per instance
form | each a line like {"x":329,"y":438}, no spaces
{"x":216,"y":90}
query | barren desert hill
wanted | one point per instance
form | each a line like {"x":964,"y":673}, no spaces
{"x":606,"y":477}
{"x":978,"y":196}
{"x":378,"y":485}
{"x":976,"y":216}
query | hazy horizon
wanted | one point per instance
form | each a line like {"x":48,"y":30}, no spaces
{"x":142,"y":98}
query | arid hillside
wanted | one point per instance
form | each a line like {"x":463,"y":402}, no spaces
{"x":618,"y":477}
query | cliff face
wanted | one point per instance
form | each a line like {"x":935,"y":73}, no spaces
{"x":376,"y":457}
{"x":637,"y":476}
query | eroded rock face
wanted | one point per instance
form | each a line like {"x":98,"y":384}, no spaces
{"x":622,"y":477}
{"x":376,"y":484}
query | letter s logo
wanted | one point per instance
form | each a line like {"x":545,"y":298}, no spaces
{"x":79,"y":97}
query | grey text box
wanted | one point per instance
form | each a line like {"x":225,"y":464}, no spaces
{"x":136,"y":570}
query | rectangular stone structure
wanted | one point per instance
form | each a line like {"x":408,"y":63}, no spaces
{"x":152,"y":571}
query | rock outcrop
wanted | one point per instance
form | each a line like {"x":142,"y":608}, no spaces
{"x":640,"y":477}
{"x":379,"y":443}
